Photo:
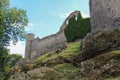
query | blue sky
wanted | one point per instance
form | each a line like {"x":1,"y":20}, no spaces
{"x":46,"y":16}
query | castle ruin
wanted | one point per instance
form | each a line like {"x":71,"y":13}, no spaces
{"x":36,"y":47}
{"x":105,"y":14}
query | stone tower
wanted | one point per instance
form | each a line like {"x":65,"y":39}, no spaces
{"x":30,"y":37}
{"x":105,"y":14}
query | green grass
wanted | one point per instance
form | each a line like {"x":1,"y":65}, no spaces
{"x":116,"y":51}
{"x":69,"y":71}
{"x":112,"y":79}
{"x":66,"y":68}
{"x":46,"y":57}
{"x":71,"y":50}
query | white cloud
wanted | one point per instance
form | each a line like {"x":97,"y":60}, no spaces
{"x":30,"y":24}
{"x":19,"y":48}
{"x":84,"y":15}
{"x":28,"y":28}
{"x":65,"y":15}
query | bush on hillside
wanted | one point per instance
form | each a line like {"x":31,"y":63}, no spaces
{"x":77,"y":28}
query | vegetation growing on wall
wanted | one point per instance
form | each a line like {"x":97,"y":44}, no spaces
{"x":77,"y":28}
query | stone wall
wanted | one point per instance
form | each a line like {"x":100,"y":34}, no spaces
{"x":30,"y":37}
{"x":75,"y":13}
{"x":47,"y":44}
{"x":36,"y":47}
{"x":105,"y":14}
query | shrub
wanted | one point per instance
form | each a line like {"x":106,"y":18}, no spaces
{"x":77,"y":29}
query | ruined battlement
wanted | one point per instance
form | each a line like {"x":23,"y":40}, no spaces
{"x":75,"y":13}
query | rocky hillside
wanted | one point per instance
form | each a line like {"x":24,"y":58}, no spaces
{"x":96,"y":57}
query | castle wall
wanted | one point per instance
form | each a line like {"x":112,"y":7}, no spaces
{"x":37,"y":47}
{"x":75,"y":13}
{"x":30,"y":37}
{"x":105,"y":14}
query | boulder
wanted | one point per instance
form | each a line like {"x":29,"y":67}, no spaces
{"x":99,"y":42}
{"x":103,"y":66}
{"x":42,"y":73}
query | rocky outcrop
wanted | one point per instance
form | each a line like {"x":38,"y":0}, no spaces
{"x":101,"y":55}
{"x":101,"y":67}
{"x":105,"y":14}
{"x":99,"y":42}
{"x":43,"y":73}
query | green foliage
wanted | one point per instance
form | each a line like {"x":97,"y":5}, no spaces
{"x":12,"y":27}
{"x":69,"y":71}
{"x":13,"y":59}
{"x":112,"y":79}
{"x":72,"y":49}
{"x":4,"y":65}
{"x":12,"y":23}
{"x":77,"y":29}
{"x":7,"y":61}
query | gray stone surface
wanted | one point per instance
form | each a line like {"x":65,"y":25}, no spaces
{"x":75,"y":13}
{"x":105,"y":14}
{"x":35,"y":74}
{"x":30,"y":37}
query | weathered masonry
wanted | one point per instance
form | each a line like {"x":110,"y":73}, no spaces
{"x":105,"y":14}
{"x":37,"y":47}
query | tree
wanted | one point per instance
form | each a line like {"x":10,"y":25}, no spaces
{"x":4,"y":65}
{"x":12,"y":27}
{"x":13,"y":59}
{"x":12,"y":22}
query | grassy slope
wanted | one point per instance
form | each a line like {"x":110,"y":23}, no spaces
{"x":68,"y":71}
{"x":72,"y":49}
{"x":57,"y":62}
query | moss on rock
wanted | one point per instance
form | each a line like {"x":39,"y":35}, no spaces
{"x":103,"y":66}
{"x":42,"y":73}
{"x":99,"y":42}
{"x":59,"y":66}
